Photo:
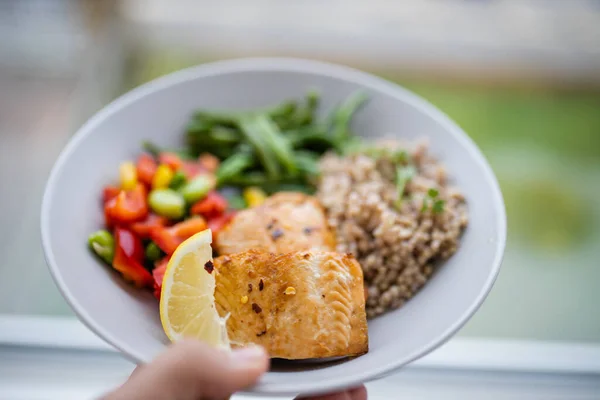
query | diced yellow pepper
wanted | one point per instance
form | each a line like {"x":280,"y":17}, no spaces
{"x":128,"y":175}
{"x":254,"y":196}
{"x":163,"y":177}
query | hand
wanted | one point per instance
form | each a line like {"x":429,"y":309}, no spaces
{"x":192,"y":370}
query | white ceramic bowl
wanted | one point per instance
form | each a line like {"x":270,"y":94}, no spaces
{"x":128,"y":319}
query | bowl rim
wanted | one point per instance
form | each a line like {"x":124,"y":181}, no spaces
{"x":288,"y":65}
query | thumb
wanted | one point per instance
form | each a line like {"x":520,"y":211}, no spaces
{"x":213,"y":373}
{"x":194,"y":370}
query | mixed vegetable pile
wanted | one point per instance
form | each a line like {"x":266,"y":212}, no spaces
{"x":232,"y":160}
{"x":160,"y":202}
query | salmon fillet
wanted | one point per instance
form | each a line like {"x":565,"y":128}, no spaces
{"x":306,"y":304}
{"x":284,"y":223}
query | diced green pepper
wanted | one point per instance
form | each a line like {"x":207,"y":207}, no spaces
{"x":197,"y":188}
{"x":102,"y":243}
{"x":179,"y":179}
{"x":167,"y":203}
{"x":153,"y":252}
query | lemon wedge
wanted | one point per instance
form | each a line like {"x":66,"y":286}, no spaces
{"x":187,"y":301}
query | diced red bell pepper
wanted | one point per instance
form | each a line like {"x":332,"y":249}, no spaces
{"x":169,"y":238}
{"x":146,"y":168}
{"x":192,"y":169}
{"x":165,"y":239}
{"x":129,"y":256}
{"x":212,"y":206}
{"x":127,"y":207}
{"x":218,"y":223}
{"x":209,"y":162}
{"x":156,"y":291}
{"x":142,"y":228}
{"x":158,"y":274}
{"x":189,"y":227}
{"x":109,"y":192}
{"x":171,"y":159}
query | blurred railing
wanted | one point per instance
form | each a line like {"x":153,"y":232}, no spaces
{"x":527,"y":40}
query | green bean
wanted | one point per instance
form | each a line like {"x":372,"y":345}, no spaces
{"x":288,"y":187}
{"x":283,"y":109}
{"x":201,"y":146}
{"x":226,"y":118}
{"x":279,"y":145}
{"x":233,"y":166}
{"x":183,"y":154}
{"x":198,"y":126}
{"x":245,"y":148}
{"x":151,"y":148}
{"x":303,"y":115}
{"x":311,"y":138}
{"x":284,"y":123}
{"x":153,"y":252}
{"x":231,"y":118}
{"x":218,"y":135}
{"x":103,"y":245}
{"x":344,"y":113}
{"x":313,"y":98}
{"x":167,"y":203}
{"x":301,"y":119}
{"x":253,"y":131}
{"x":155,"y":151}
{"x":250,"y":179}
{"x":268,"y":185}
{"x":224,"y":136}
{"x":197,"y":188}
{"x":307,"y":162}
{"x":179,"y":179}
{"x":307,"y":154}
{"x":222,"y":152}
{"x":306,"y":115}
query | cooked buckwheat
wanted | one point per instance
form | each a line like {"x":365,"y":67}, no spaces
{"x":398,"y":246}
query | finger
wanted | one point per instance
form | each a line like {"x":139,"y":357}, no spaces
{"x":331,"y":396}
{"x":211,"y":373}
{"x":193,"y":370}
{"x":136,"y":371}
{"x":359,"y":393}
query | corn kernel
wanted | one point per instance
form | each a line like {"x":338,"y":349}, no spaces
{"x":290,"y":290}
{"x":163,"y":177}
{"x":254,"y":196}
{"x":128,"y":175}
{"x":244,"y":299}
